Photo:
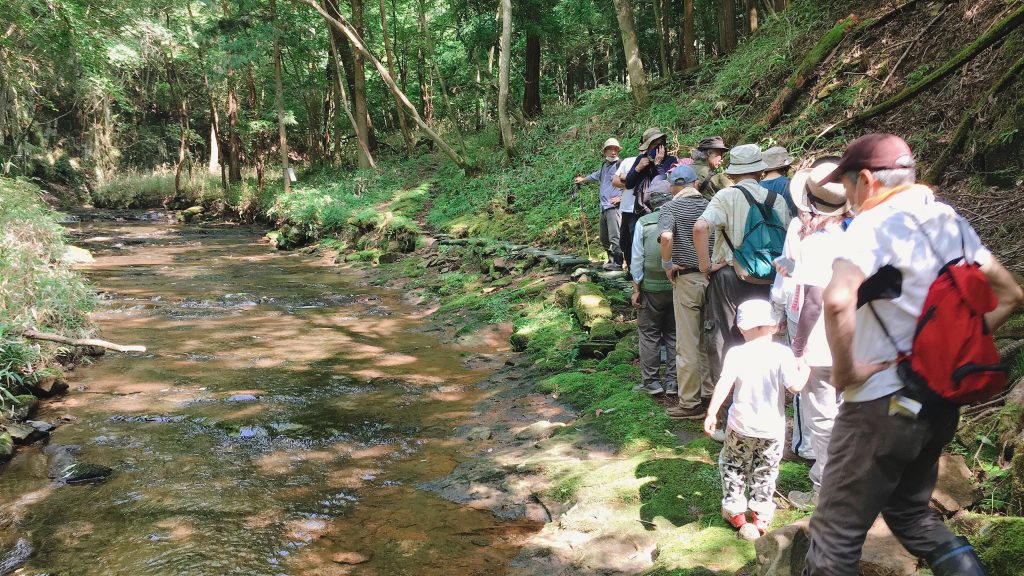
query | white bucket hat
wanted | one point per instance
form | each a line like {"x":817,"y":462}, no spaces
{"x":754,"y":314}
{"x":611,"y":142}
{"x":810,"y":196}
{"x":745,"y":159}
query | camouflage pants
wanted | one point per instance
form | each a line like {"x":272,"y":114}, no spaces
{"x":753,"y":463}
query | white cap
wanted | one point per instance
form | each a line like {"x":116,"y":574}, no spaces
{"x":754,"y":314}
{"x":611,"y":142}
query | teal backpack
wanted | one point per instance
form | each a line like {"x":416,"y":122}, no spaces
{"x":763,"y":238}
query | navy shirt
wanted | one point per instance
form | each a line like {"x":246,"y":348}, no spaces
{"x":640,"y":181}
{"x":780,"y":186}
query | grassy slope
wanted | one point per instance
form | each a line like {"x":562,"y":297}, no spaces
{"x":37,"y":290}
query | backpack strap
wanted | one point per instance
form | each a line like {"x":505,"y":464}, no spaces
{"x":769,"y":201}
{"x":871,"y":306}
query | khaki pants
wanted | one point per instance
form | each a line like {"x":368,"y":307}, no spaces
{"x":692,"y":372}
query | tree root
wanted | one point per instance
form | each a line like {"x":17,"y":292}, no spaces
{"x":35,"y":335}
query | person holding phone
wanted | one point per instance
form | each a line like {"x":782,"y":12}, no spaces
{"x":653,"y":162}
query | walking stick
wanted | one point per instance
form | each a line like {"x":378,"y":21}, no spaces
{"x":583,"y":219}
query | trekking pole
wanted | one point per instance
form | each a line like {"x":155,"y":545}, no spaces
{"x":583,"y":219}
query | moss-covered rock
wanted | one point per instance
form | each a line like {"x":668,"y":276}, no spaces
{"x":6,"y":446}
{"x":603,"y":330}
{"x":519,"y":340}
{"x":590,"y":304}
{"x":1001,"y":546}
{"x":564,"y":294}
{"x":190,"y":214}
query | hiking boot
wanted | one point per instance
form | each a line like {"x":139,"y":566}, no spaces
{"x":611,"y":267}
{"x":760,"y":523}
{"x":955,"y":558}
{"x":680,"y":413}
{"x":803,"y":500}
{"x":719,"y":435}
{"x":652,"y":388}
{"x":672,"y":389}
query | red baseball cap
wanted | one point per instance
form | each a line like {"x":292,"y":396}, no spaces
{"x":873,"y":152}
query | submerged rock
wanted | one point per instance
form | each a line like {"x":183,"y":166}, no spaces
{"x":6,"y":447}
{"x":85,"y":473}
{"x":23,"y":433}
{"x":15,"y":557}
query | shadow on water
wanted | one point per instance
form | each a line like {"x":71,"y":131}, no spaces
{"x":279,"y":424}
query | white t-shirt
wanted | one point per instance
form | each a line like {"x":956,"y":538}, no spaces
{"x":628,"y":200}
{"x":760,"y":370}
{"x":814,"y":269}
{"x":884,"y":242}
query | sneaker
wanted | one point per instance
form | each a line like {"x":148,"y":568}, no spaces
{"x":719,"y":435}
{"x":734,"y":520}
{"x":760,"y":524}
{"x":672,"y":390}
{"x":652,"y":388}
{"x":611,"y":267}
{"x":680,"y":413}
{"x":803,"y":500}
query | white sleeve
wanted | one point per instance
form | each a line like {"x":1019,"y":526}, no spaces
{"x":865,"y":246}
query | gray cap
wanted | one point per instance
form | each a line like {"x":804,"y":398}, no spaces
{"x":745,"y":159}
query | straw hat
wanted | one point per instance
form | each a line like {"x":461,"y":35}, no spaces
{"x":810,"y":196}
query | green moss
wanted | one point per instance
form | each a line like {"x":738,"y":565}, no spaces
{"x":681,"y":491}
{"x":590,"y":304}
{"x":603,"y":330}
{"x":1001,"y":546}
{"x":565,"y":489}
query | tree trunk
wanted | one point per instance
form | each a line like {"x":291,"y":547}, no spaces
{"x":406,"y":134}
{"x":282,"y":136}
{"x":214,"y":164}
{"x":234,"y":140}
{"x":781,"y":5}
{"x":503,"y":63}
{"x":662,"y":39}
{"x":750,"y":16}
{"x":726,"y":26}
{"x":364,"y":149}
{"x":341,"y":24}
{"x":531,"y":88}
{"x":426,"y":90}
{"x":689,"y":36}
{"x":359,"y":95}
{"x":634,"y":65}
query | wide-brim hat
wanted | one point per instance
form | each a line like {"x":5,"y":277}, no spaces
{"x":611,"y":142}
{"x":811,"y":196}
{"x":712,"y":143}
{"x":745,"y":159}
{"x":650,"y":135}
{"x":777,"y":157}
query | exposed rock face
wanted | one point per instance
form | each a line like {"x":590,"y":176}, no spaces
{"x":15,"y":557}
{"x":781,"y":552}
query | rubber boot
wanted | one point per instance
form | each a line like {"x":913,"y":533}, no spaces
{"x":956,"y":558}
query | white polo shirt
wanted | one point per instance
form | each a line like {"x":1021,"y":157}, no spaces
{"x":899,"y":266}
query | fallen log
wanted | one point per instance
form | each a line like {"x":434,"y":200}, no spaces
{"x":995,"y":34}
{"x":48,"y":337}
{"x":938,"y":168}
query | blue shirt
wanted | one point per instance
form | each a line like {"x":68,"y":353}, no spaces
{"x":604,"y":175}
{"x":780,"y":186}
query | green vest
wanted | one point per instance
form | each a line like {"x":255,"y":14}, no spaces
{"x":655,"y":278}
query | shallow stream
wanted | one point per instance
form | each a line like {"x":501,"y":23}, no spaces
{"x":279,"y":423}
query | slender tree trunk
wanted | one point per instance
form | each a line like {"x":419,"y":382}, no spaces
{"x":282,"y":135}
{"x":781,"y":5}
{"x":436,"y":73}
{"x":234,"y":140}
{"x":726,"y":26}
{"x":689,"y":36}
{"x":359,"y":95}
{"x":214,"y":165}
{"x":662,"y":39}
{"x":750,"y":16}
{"x":422,"y":75}
{"x":531,"y":87}
{"x":363,"y":148}
{"x":341,"y":24}
{"x":634,"y":65}
{"x":503,"y":63}
{"x":406,"y":134}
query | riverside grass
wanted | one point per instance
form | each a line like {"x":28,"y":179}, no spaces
{"x":37,"y":289}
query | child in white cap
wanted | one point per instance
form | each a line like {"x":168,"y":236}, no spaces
{"x":757,"y":372}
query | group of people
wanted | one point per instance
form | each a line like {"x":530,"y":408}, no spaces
{"x":763,"y":281}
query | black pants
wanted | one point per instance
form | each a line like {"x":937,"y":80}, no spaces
{"x":725,"y":292}
{"x":878,"y":463}
{"x":626,"y":230}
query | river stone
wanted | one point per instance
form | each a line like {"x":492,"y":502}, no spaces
{"x":48,"y":386}
{"x":539,"y":430}
{"x":76,"y":255}
{"x":589,"y":304}
{"x":190,"y":214}
{"x":782,"y":551}
{"x":956,"y":488}
{"x":350,"y":558}
{"x":479,"y":433}
{"x":25,"y":406}
{"x":15,"y":557}
{"x":6,"y":446}
{"x":23,"y":433}
{"x":41,"y":426}
{"x":85,"y":473}
{"x":242,"y":398}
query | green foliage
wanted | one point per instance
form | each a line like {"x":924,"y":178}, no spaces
{"x":1002,"y":546}
{"x":138,"y":190}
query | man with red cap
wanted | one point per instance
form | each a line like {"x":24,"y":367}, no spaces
{"x":885,"y":446}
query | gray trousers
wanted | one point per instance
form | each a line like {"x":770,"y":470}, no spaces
{"x":878,"y":463}
{"x":819,"y":403}
{"x":656,"y":324}
{"x":725,"y":292}
{"x":610,"y":222}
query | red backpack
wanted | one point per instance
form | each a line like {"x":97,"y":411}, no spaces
{"x":953,"y":358}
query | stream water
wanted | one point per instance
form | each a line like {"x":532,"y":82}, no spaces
{"x":279,"y":424}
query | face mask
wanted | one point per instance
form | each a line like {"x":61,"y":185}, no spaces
{"x":611,"y":159}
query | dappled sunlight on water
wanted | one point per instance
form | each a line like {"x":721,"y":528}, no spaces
{"x":279,"y":423}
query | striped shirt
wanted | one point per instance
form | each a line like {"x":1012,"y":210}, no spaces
{"x":678,"y":217}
